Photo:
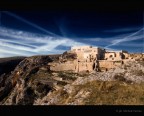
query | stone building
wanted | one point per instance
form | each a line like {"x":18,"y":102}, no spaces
{"x":89,"y":52}
{"x":90,"y":58}
{"x":115,"y":55}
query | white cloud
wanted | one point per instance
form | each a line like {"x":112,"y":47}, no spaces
{"x":134,"y":36}
{"x":94,"y":39}
{"x":29,"y":23}
{"x":15,"y":42}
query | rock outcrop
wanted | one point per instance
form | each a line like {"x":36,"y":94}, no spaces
{"x":18,"y":86}
{"x":33,"y":83}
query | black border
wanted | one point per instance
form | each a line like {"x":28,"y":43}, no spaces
{"x":73,"y":5}
{"x":70,"y":109}
{"x":79,"y":5}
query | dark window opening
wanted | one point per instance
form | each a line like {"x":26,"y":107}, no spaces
{"x":93,"y":66}
{"x":111,"y":56}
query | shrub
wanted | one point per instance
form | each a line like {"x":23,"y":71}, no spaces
{"x":119,"y":77}
{"x":138,"y":72}
{"x":61,"y":83}
{"x":67,"y":75}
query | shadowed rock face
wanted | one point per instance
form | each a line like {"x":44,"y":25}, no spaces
{"x":8,"y":64}
{"x":19,"y":87}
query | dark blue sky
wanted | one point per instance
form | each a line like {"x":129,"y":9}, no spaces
{"x":113,"y":30}
{"x":81,"y":24}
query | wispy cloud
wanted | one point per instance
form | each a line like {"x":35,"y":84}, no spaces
{"x":134,"y":36}
{"x":128,"y":44}
{"x":21,"y":43}
{"x":29,"y":23}
{"x":94,"y":39}
{"x":128,"y":29}
{"x":119,"y":41}
{"x":15,"y":42}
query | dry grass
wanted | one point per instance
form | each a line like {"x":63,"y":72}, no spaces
{"x":117,"y":92}
{"x":119,"y":77}
{"x":138,"y":72}
{"x":67,"y":75}
{"x":141,"y":62}
{"x":114,"y":93}
{"x":106,"y":93}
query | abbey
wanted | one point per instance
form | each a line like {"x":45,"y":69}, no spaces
{"x":88,"y":58}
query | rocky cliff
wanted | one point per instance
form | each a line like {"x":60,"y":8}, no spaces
{"x":8,"y":64}
{"x":32,"y":82}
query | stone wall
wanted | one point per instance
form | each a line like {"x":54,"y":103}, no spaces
{"x":109,"y":64}
{"x":85,"y":66}
{"x":109,"y":56}
{"x":106,"y":64}
{"x":125,"y":55}
{"x":64,"y":66}
{"x":113,"y":56}
{"x":74,"y":66}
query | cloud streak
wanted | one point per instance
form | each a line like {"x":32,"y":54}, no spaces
{"x":15,"y":42}
{"x":123,"y":30}
{"x":134,"y":36}
{"x":21,"y":43}
{"x":29,"y":23}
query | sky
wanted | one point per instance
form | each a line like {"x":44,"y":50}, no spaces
{"x":28,"y":33}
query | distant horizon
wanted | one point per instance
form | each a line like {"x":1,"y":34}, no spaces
{"x":65,"y":51}
{"x":54,"y":32}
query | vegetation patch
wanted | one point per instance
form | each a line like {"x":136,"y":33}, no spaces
{"x":61,"y":83}
{"x":83,"y":74}
{"x":67,"y":75}
{"x":114,"y":93}
{"x":138,"y":72}
{"x":141,"y":62}
{"x":119,"y":77}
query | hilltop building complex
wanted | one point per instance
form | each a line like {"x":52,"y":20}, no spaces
{"x":88,"y":58}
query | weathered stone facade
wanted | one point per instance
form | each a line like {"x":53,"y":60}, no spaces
{"x":89,"y":58}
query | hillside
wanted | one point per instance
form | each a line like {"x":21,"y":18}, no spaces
{"x":32,"y":82}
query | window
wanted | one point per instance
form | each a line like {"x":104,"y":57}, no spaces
{"x":115,"y":55}
{"x":111,"y":56}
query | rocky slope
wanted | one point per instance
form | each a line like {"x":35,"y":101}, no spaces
{"x":120,"y":86}
{"x":32,"y":83}
{"x":19,"y":81}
